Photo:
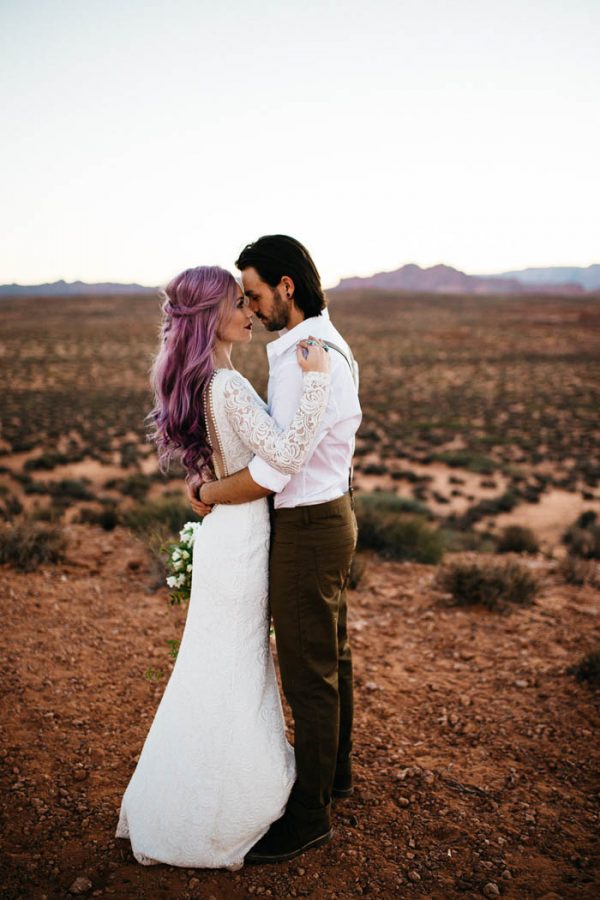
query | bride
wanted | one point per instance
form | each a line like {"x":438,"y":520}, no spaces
{"x":216,"y":768}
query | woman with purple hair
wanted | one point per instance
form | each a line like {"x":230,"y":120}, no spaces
{"x":216,"y":768}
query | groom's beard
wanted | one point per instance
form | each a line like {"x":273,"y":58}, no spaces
{"x":279,"y":315}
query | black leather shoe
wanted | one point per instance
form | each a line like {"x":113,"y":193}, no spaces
{"x":286,"y":839}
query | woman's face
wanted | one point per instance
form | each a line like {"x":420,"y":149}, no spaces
{"x":237,"y":327}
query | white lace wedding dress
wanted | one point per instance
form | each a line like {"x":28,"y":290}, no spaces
{"x":216,"y":768}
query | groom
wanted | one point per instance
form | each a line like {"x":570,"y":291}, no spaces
{"x":312,"y":540}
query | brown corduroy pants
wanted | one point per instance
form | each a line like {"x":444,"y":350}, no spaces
{"x":311,"y":553}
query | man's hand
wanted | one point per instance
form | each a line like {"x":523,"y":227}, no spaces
{"x":200,"y":508}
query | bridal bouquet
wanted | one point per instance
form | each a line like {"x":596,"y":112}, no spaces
{"x":179,"y":563}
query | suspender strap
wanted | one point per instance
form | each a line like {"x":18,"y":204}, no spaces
{"x":354,"y":372}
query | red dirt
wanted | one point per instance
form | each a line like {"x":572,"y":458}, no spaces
{"x":476,"y":761}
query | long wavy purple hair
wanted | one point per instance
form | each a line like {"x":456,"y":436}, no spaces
{"x":196,"y":303}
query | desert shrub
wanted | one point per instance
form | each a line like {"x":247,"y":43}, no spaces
{"x":136,"y":486}
{"x":488,"y":507}
{"x":386,"y":524}
{"x":71,"y":488}
{"x":167,"y":514}
{"x":588,"y":669}
{"x":583,"y":537}
{"x":107,"y":518}
{"x":375,"y":469}
{"x":28,"y":544}
{"x":456,"y":540}
{"x":464,"y":459}
{"x":492,"y":585}
{"x":36,"y":487}
{"x":46,"y":461}
{"x":386,"y":502}
{"x":578,"y":571}
{"x":45,"y":513}
{"x":11,"y":506}
{"x":129,"y":455}
{"x":517,"y":539}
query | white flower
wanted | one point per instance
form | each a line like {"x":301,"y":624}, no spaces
{"x":175,"y":554}
{"x":185,"y":554}
{"x":171,"y":581}
{"x":189,"y":567}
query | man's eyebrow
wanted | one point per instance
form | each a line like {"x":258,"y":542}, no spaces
{"x":249,"y":293}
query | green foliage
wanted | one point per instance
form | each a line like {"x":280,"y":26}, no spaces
{"x":386,"y":527}
{"x":588,"y":669}
{"x":28,"y":544}
{"x":492,"y":585}
{"x":179,"y":563}
{"x":517,"y":539}
{"x":174,"y":645}
{"x":152,"y":674}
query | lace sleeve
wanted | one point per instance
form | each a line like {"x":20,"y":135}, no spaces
{"x":286,"y":450}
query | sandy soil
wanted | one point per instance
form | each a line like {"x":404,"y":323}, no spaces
{"x":476,"y":753}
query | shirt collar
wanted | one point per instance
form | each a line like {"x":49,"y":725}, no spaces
{"x":290,"y":337}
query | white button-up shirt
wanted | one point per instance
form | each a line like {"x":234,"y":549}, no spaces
{"x":325,"y":474}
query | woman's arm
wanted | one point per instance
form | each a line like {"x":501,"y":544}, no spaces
{"x":284,"y":450}
{"x":237,"y":488}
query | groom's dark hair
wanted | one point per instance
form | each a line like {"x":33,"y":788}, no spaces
{"x":276,"y":255}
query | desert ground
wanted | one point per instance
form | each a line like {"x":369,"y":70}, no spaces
{"x":477,"y":752}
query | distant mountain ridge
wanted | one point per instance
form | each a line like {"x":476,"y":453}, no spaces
{"x":72,"y":288}
{"x":442,"y":279}
{"x":588,"y":278}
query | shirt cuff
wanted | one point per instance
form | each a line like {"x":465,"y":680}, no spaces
{"x":262,"y":473}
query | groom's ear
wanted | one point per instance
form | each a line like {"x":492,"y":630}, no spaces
{"x":288,"y":287}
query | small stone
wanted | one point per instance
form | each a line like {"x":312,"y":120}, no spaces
{"x":371,"y":686}
{"x":193,"y":883}
{"x":521,"y":683}
{"x":403,"y":801}
{"x":80,"y":775}
{"x":414,"y":875}
{"x":301,"y":871}
{"x":491,"y":890}
{"x":506,"y":875}
{"x":81,"y":885}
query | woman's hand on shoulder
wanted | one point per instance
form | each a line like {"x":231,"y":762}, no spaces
{"x":313,"y":355}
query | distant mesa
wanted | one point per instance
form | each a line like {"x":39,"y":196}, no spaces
{"x":442,"y":279}
{"x":438,"y":279}
{"x":72,"y":288}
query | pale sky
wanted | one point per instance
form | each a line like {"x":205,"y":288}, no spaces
{"x":141,"y":137}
